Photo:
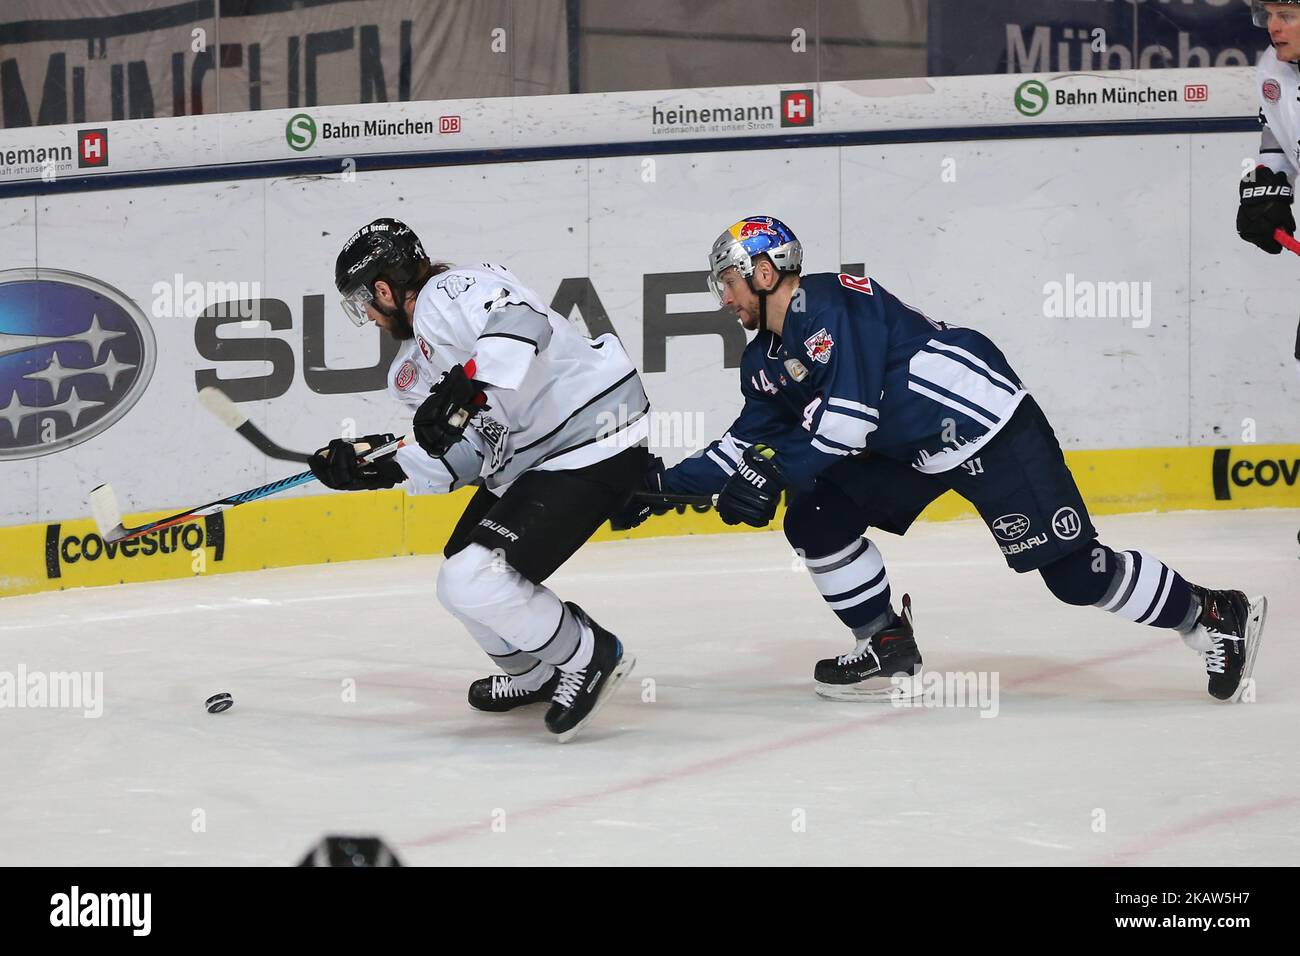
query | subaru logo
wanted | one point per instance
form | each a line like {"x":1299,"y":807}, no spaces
{"x":1011,"y":527}
{"x":75,"y":356}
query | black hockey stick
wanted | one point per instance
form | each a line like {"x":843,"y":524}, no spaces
{"x":695,"y":501}
{"x":108,"y":516}
{"x":219,"y":404}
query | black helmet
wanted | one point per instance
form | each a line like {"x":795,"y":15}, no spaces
{"x":385,"y":249}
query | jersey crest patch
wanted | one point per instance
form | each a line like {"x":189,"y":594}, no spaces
{"x":798,"y":371}
{"x":454,"y":284}
{"x":1272,"y":90}
{"x":819,"y":347}
{"x":406,"y":376}
{"x":494,"y":434}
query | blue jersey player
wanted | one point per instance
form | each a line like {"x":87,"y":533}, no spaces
{"x":864,"y":410}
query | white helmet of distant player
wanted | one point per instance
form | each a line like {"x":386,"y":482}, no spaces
{"x":1259,"y":9}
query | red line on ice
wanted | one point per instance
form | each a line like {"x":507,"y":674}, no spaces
{"x":709,"y":764}
{"x":1219,"y":817}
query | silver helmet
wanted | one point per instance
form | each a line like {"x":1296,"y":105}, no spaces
{"x":1259,"y":13}
{"x":751,"y":237}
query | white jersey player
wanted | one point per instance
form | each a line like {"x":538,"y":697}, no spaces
{"x":1267,"y":192}
{"x":551,"y":426}
{"x":482,"y":313}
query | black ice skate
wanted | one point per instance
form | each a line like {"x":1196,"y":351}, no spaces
{"x":1235,"y":626}
{"x":581,"y":693}
{"x":868,"y":673}
{"x":500,"y":693}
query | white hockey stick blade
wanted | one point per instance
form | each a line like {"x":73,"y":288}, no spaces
{"x":219,"y":404}
{"x":107,"y":515}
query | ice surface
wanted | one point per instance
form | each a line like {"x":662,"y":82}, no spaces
{"x":734,"y":761}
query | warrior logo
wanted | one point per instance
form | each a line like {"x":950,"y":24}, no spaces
{"x":1066,"y":524}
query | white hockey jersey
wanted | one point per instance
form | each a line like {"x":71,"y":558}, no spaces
{"x":557,"y":399}
{"x":1279,"y":114}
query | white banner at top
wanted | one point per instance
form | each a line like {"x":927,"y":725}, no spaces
{"x":657,"y":116}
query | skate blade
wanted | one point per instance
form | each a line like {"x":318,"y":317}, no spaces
{"x":621,"y":670}
{"x":881,"y":690}
{"x":1254,"y":634}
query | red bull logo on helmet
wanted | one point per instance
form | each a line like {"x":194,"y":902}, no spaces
{"x":758,"y":226}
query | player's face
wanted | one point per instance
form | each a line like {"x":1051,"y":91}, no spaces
{"x":385,"y":313}
{"x":1284,"y":30}
{"x":739,"y":298}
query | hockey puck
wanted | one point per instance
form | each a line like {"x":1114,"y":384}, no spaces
{"x":219,"y":702}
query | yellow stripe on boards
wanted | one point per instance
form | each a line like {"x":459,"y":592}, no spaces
{"x":350,"y":527}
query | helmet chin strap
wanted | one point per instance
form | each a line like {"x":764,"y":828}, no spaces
{"x":762,"y":300}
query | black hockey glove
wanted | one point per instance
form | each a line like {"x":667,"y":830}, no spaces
{"x":1266,"y":199}
{"x":752,"y":494}
{"x":636,"y":511}
{"x":440,"y":422}
{"x":337,"y":467}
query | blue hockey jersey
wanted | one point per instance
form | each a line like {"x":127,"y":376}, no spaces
{"x":856,"y":369}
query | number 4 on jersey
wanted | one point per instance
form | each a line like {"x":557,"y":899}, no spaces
{"x":763,"y":383}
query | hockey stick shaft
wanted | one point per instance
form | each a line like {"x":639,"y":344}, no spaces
{"x":1290,"y":242}
{"x":1287,"y":240}
{"x":108,"y":517}
{"x":219,"y":404}
{"x":655,"y":498}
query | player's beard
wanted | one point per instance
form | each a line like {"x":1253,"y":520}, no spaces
{"x":402,"y":329}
